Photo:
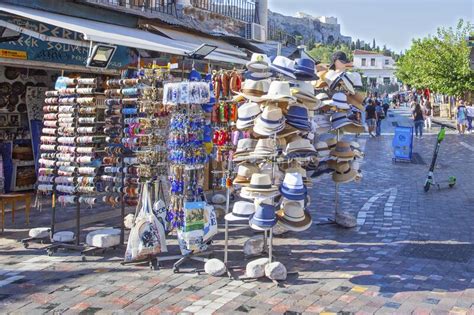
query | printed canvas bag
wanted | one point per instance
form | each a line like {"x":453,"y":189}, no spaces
{"x":147,"y":236}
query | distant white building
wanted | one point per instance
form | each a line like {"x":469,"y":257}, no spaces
{"x":322,"y":19}
{"x":377,"y":68}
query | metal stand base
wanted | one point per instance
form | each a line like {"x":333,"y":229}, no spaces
{"x":42,"y":240}
{"x":55,"y":246}
{"x":192,"y":256}
{"x":327,"y":221}
{"x":152,"y":262}
{"x":93,"y":250}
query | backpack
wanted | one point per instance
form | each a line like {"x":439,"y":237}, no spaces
{"x":380,"y":112}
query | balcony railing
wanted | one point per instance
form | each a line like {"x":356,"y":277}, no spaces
{"x":243,"y":10}
{"x":162,"y":6}
{"x":277,"y":34}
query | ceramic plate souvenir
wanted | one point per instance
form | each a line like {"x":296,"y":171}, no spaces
{"x":11,"y":73}
{"x":5,"y":88}
{"x":18,"y":88}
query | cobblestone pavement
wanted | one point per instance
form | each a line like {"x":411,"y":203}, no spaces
{"x":411,"y":253}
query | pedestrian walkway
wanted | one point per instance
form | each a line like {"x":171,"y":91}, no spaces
{"x":411,"y":253}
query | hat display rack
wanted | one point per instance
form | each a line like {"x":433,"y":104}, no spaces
{"x":275,"y":136}
{"x":341,"y":113}
{"x":187,"y":156}
{"x":72,"y":145}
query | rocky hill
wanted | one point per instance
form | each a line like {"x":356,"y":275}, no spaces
{"x":309,"y":27}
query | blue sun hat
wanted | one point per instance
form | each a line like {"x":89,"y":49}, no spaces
{"x":284,"y":66}
{"x":304,"y":69}
{"x":264,"y":217}
{"x":293,"y":187}
{"x":297,"y":117}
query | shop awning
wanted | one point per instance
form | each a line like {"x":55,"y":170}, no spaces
{"x":198,"y":40}
{"x":113,"y":34}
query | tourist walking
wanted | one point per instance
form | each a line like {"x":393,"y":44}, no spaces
{"x":428,"y":113}
{"x":386,"y":104}
{"x":418,"y":119}
{"x":370,"y":117}
{"x":380,"y":112}
{"x":470,"y":117}
{"x":461,"y":117}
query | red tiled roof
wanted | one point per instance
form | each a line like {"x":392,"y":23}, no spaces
{"x":365,"y":52}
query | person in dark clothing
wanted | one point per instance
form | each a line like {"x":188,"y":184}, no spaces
{"x":419,"y":121}
{"x":371,"y":117}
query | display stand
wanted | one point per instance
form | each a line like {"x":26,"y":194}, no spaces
{"x":329,"y":220}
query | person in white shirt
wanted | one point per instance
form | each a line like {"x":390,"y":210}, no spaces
{"x":470,"y":117}
{"x":428,"y":109}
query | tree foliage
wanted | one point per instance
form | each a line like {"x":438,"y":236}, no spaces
{"x":440,"y":62}
{"x":323,"y":53}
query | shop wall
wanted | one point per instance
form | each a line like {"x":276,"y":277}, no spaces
{"x":21,"y":95}
{"x":30,"y":48}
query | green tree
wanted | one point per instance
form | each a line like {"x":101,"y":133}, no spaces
{"x":373,"y":44}
{"x":440,"y":62}
{"x":357,"y":44}
{"x":324,"y":52}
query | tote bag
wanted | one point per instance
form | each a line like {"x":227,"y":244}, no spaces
{"x":147,"y":236}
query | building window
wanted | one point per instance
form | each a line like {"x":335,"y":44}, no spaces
{"x":364,"y":62}
{"x":387,"y":62}
{"x":373,"y":82}
{"x":386,"y":80}
{"x":372,"y":62}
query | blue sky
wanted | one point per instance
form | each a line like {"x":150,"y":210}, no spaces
{"x":390,"y":22}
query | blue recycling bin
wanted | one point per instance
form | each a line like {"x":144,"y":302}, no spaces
{"x":402,"y":144}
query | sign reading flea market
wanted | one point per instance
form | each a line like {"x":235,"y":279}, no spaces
{"x":30,"y":48}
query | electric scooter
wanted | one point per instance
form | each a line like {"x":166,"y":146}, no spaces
{"x":430,"y":180}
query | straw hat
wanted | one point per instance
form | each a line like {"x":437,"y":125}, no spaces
{"x":270,"y":121}
{"x":265,"y":148}
{"x":300,"y":147}
{"x":293,"y":217}
{"x":322,"y":148}
{"x":258,"y":63}
{"x":321,"y":83}
{"x":342,"y":150}
{"x":279,"y":90}
{"x":260,"y":183}
{"x":339,"y":120}
{"x":340,"y":101}
{"x":253,"y":90}
{"x":298,"y":169}
{"x":241,"y":211}
{"x":292,"y":187}
{"x":244,"y":173}
{"x":284,"y":66}
{"x":354,"y":78}
{"x":246,"y":115}
{"x":244,"y":147}
{"x":353,"y":128}
{"x":344,"y":174}
{"x":357,"y":100}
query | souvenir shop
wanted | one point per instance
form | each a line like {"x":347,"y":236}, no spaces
{"x":174,"y":147}
{"x":165,"y":146}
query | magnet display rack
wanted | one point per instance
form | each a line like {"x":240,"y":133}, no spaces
{"x":75,"y":115}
